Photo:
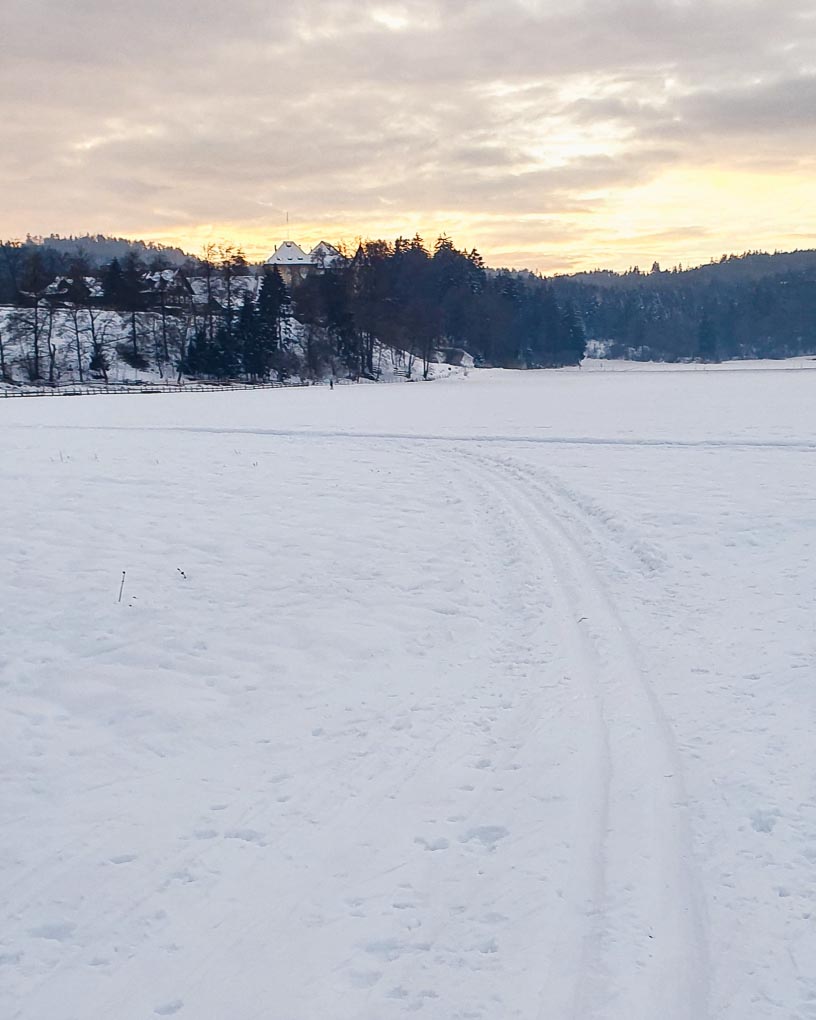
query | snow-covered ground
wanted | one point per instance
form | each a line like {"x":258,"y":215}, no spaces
{"x":482,"y":699}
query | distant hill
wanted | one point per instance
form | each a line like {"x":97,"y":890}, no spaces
{"x":99,"y":249}
{"x":728,"y":269}
{"x":755,"y":305}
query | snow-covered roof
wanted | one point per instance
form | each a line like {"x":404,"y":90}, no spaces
{"x":325,"y":254}
{"x":62,"y":284}
{"x":199,"y":286}
{"x":289,"y":254}
{"x":168,"y":275}
{"x":57,"y":285}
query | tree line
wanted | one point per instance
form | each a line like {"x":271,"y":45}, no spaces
{"x":420,"y":301}
{"x":73,"y":313}
{"x":218,"y":317}
{"x":756,"y":305}
{"x":402,"y":296}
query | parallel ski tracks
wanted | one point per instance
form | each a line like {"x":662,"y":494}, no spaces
{"x":642,"y":950}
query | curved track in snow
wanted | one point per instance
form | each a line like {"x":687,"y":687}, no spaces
{"x":643,"y":940}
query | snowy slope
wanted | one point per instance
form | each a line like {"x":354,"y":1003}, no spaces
{"x":113,"y":331}
{"x":487,"y":699}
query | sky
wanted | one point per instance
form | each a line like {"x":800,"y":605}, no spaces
{"x":555,"y":136}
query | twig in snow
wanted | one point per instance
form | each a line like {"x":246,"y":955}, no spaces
{"x":122,"y":586}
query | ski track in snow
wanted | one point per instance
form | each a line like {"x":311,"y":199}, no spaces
{"x":644,"y":950}
{"x":453,"y":437}
{"x":474,"y":809}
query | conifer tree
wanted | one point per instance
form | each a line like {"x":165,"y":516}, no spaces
{"x":254,"y":358}
{"x":573,"y":337}
{"x":273,"y":306}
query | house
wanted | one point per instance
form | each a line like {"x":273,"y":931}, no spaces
{"x":167,"y":288}
{"x":325,"y":255}
{"x":163,"y":290}
{"x":293,"y":262}
{"x":83,"y":290}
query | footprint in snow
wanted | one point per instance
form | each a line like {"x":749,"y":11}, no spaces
{"x":433,"y":844}
{"x":55,"y":931}
{"x":764,"y":821}
{"x":169,"y":1008}
{"x":488,"y":835}
{"x":246,"y":836}
{"x":123,"y":859}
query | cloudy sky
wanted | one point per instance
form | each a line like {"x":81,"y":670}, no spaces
{"x":554,"y":134}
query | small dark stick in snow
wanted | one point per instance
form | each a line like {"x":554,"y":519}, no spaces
{"x":122,"y":586}
{"x":182,"y":573}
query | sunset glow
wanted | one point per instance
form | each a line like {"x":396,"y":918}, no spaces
{"x":607,"y":135}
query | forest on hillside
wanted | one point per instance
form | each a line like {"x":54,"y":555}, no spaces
{"x":72,"y":307}
{"x":756,"y":305}
{"x":218,"y":317}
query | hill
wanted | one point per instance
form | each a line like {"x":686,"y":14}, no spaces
{"x":742,"y":306}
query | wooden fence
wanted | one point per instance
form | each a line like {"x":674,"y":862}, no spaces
{"x":77,"y":390}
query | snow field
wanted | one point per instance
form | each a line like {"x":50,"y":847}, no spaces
{"x":483,"y":699}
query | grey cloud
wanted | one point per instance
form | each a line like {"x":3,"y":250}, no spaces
{"x":127,"y":116}
{"x":775,"y":107}
{"x":756,"y":114}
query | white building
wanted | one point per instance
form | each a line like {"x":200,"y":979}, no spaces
{"x":289,"y":254}
{"x":294,"y":263}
